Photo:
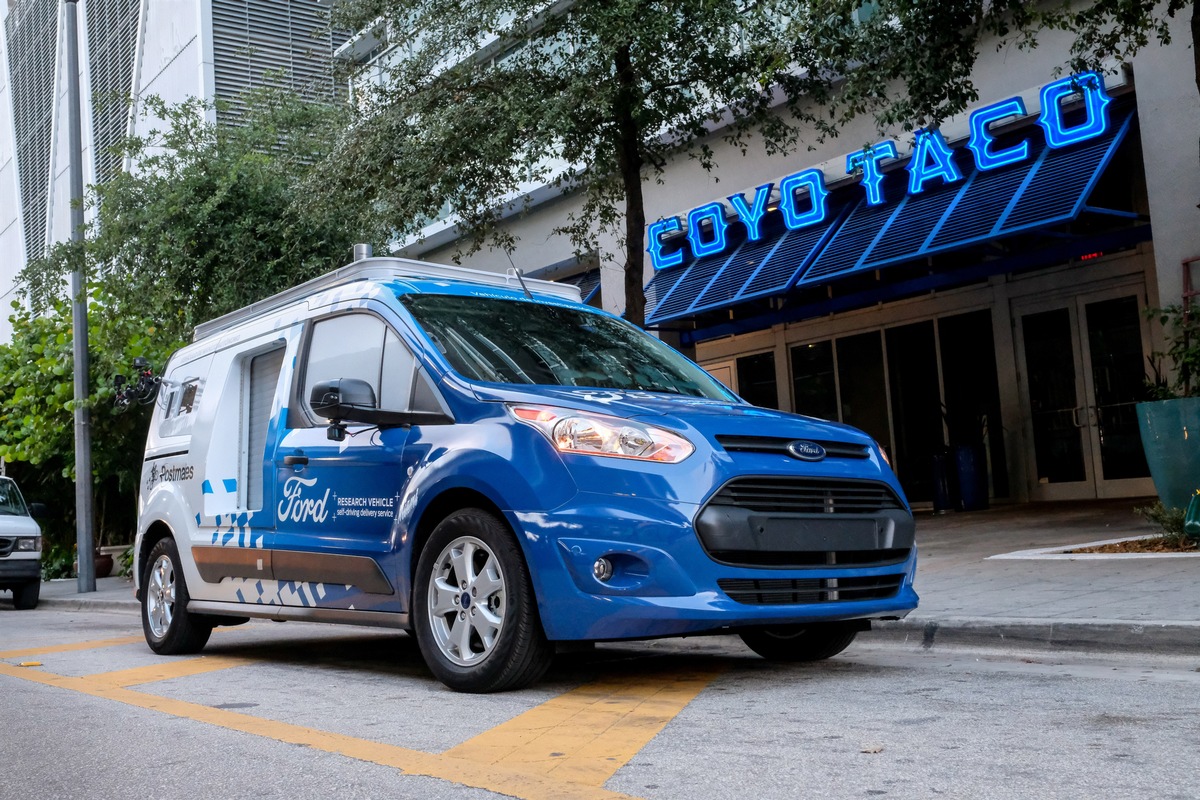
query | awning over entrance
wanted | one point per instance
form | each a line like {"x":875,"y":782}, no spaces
{"x":764,"y":268}
{"x":1048,"y":189}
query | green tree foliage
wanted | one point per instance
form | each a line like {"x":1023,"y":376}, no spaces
{"x":37,"y":411}
{"x":479,"y":101}
{"x":205,"y":223}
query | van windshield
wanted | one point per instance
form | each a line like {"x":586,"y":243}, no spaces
{"x":509,"y":341}
{"x":11,"y":503}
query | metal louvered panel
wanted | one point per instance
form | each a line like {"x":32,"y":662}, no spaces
{"x":259,"y":43}
{"x":845,"y":251}
{"x":983,"y":201}
{"x":744,"y":262}
{"x":264,"y":375}
{"x":806,"y":496}
{"x":112,"y":39}
{"x":1061,"y":182}
{"x":31,"y":35}
{"x":910,"y":226}
{"x":794,"y":254}
{"x":694,"y":280}
{"x":659,"y":288}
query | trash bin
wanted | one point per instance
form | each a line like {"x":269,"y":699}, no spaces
{"x":944,"y":497}
{"x":970,"y":462}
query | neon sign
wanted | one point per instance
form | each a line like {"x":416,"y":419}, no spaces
{"x":803,"y":196}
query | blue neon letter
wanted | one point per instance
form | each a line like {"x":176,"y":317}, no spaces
{"x":931,"y":146}
{"x":981,"y":138}
{"x":814,"y":181}
{"x":751,"y":217}
{"x":1095,"y":101}
{"x":868,"y":161}
{"x":655,"y":234}
{"x":715,"y":212}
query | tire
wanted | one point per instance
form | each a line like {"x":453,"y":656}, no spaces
{"x":26,"y":595}
{"x":169,"y":627}
{"x":474,"y":609}
{"x":796,"y":643}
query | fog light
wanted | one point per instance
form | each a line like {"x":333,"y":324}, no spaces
{"x":603,"y":570}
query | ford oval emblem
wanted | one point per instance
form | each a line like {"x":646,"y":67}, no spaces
{"x":805,"y":451}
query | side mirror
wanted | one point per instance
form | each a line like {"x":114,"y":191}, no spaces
{"x":341,"y":398}
{"x":38,"y":510}
{"x":345,"y":400}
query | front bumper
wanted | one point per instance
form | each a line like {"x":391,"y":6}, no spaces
{"x":19,"y":570}
{"x":664,"y":583}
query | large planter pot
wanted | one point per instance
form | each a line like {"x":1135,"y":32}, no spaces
{"x":1171,"y":438}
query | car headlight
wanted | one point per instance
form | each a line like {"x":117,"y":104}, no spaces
{"x":573,"y":431}
{"x":29,"y":544}
{"x":883,"y":453}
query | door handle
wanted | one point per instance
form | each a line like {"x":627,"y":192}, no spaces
{"x":295,"y":461}
{"x":1075,"y":416}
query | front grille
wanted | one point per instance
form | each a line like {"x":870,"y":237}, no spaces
{"x":775,"y":444}
{"x":789,"y":591}
{"x":812,"y":558}
{"x":6,"y":545}
{"x":806,"y":496}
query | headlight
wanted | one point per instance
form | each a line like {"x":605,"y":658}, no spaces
{"x":29,"y":544}
{"x":600,"y":435}
{"x":883,"y":453}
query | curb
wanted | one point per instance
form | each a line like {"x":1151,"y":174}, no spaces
{"x":88,"y":604}
{"x":1120,"y":636}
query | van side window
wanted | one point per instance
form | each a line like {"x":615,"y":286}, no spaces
{"x":262,"y":375}
{"x":361,"y":346}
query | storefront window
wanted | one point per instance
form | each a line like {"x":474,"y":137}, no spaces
{"x":814,"y":387}
{"x":916,"y":406}
{"x":863,"y":386}
{"x":756,"y":380}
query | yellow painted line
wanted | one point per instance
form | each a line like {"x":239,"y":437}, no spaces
{"x":68,"y":648}
{"x":586,"y":735}
{"x":165,"y":670}
{"x":502,"y":780}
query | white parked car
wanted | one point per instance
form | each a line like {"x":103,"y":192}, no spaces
{"x":20,"y":547}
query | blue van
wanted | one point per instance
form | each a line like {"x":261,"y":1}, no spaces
{"x":489,"y":464}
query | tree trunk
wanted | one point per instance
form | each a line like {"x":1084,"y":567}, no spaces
{"x":629,"y":161}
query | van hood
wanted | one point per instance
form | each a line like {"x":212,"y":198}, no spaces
{"x":11,"y":525}
{"x":680,"y":412}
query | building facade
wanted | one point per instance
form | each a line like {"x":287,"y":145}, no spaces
{"x":975,"y":300}
{"x":129,"y":49}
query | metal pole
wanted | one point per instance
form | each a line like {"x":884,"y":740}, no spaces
{"x":84,"y":540}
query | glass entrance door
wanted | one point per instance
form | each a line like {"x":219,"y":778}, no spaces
{"x":1084,"y":371}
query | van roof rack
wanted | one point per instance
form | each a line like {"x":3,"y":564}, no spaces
{"x":381,"y":269}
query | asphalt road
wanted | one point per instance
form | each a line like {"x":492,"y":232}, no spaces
{"x":304,"y":711}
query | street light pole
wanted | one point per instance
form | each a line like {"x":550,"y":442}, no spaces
{"x":84,"y":539}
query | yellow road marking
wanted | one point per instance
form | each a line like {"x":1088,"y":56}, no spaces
{"x":587,"y":734}
{"x":459,"y":771}
{"x":68,"y":648}
{"x":176,"y":668}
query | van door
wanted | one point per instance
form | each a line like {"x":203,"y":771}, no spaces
{"x":336,"y":501}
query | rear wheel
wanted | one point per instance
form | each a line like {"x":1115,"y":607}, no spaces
{"x":799,"y":642}
{"x":474,"y":607}
{"x":26,"y":595}
{"x":169,"y":627}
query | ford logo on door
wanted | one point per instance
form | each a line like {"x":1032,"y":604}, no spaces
{"x":806,"y":451}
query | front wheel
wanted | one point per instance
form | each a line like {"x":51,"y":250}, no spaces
{"x":169,"y":627}
{"x":474,"y":607}
{"x":797,"y":643}
{"x":26,"y":595}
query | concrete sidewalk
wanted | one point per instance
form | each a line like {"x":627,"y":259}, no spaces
{"x":969,"y":596}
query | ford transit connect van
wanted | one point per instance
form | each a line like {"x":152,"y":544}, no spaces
{"x":484,"y":461}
